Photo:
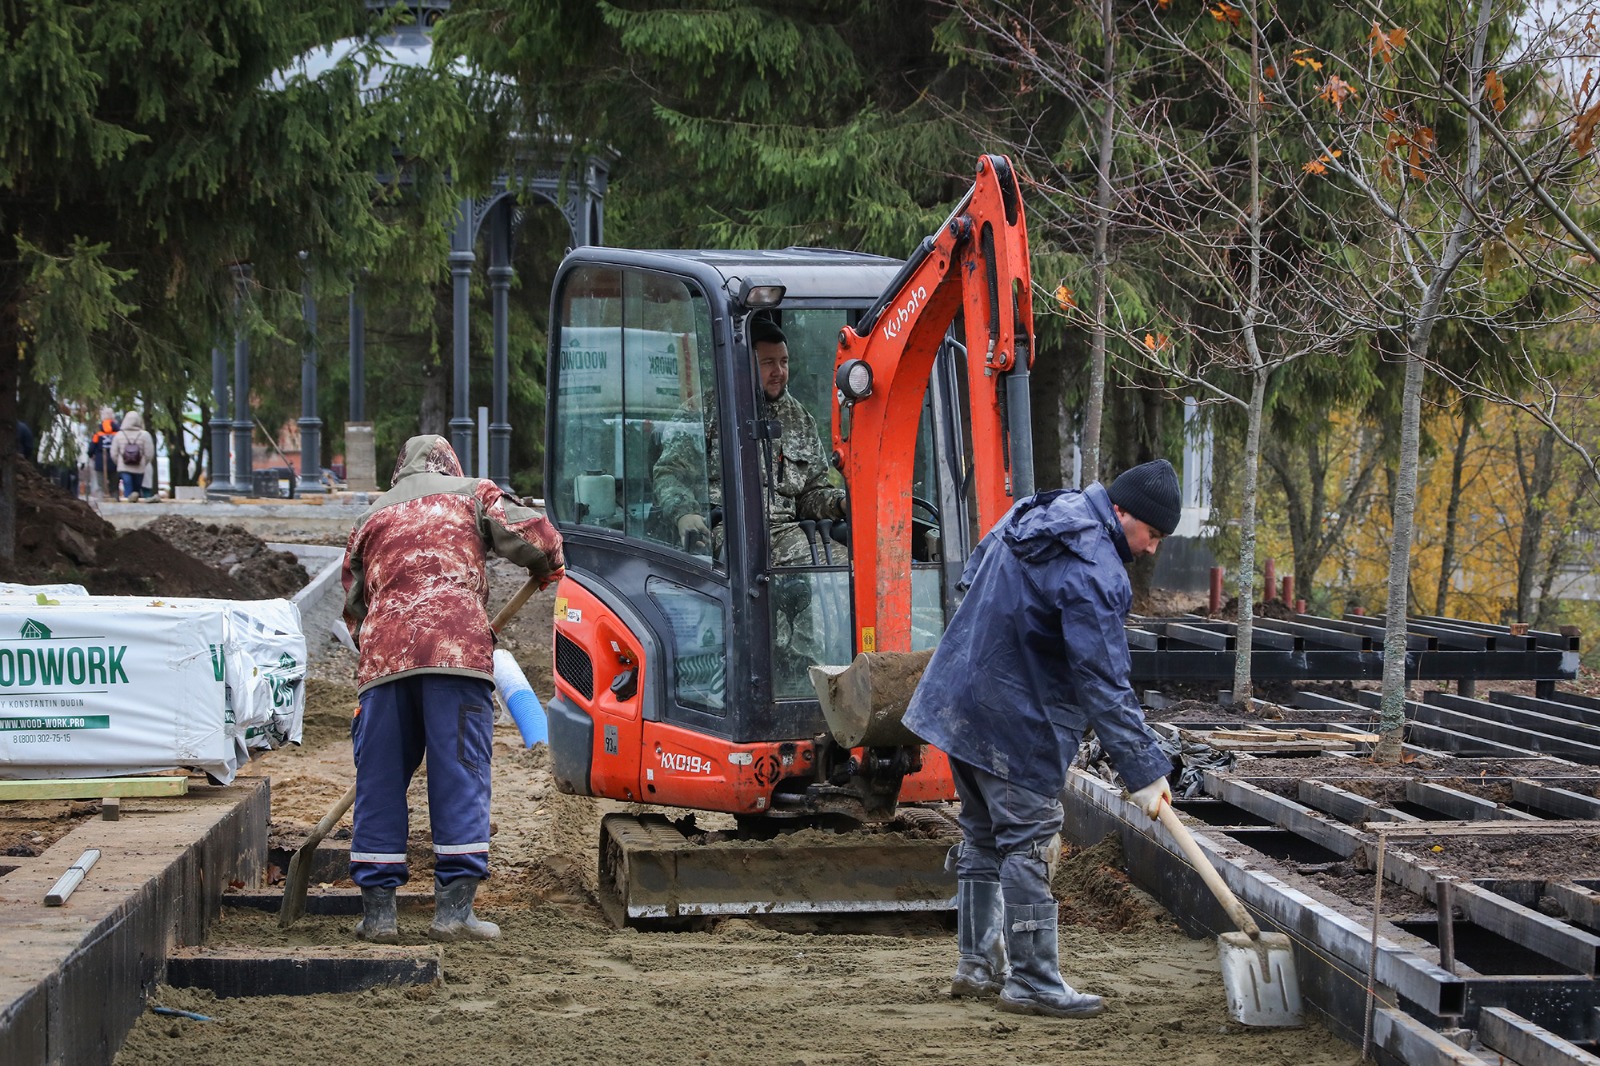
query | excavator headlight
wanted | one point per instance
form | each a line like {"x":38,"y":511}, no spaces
{"x":756,"y":293}
{"x":854,"y":380}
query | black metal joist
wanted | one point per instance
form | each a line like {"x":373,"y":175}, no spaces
{"x":1311,"y":648}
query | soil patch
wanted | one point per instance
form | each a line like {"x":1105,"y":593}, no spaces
{"x":61,"y":539}
{"x":260,"y":571}
{"x":1093,"y":887}
{"x":28,"y":827}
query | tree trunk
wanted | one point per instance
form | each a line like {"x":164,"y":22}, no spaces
{"x":1536,"y":488}
{"x":10,"y":369}
{"x":1247,"y":542}
{"x":432,"y":416}
{"x":1047,"y":385}
{"x":1392,"y":710}
{"x":1452,"y":515}
{"x":1094,"y":406}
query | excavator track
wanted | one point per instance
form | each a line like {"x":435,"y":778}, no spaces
{"x":652,"y":871}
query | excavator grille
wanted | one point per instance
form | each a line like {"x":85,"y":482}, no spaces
{"x":574,"y":666}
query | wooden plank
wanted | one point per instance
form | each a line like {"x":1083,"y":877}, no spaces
{"x":1530,"y":1045}
{"x":1354,"y":736}
{"x":1490,"y":827}
{"x":1279,"y":746}
{"x":93,"y":788}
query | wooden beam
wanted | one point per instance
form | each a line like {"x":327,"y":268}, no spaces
{"x":93,"y":788}
{"x":1488,"y":827}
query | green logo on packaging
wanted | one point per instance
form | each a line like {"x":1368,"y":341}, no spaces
{"x":63,"y":664}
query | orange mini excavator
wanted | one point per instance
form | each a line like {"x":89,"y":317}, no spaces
{"x":709,"y":606}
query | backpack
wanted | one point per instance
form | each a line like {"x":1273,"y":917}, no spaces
{"x":132,"y":452}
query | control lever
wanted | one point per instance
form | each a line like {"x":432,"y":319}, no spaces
{"x":809,"y":528}
{"x":825,"y":527}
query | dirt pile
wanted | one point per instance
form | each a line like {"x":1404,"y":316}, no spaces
{"x":260,"y":571}
{"x":61,"y":539}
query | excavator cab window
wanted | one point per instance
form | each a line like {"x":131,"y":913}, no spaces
{"x":634,"y":383}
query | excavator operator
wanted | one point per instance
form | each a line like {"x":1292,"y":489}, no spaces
{"x":796,"y":487}
{"x":802,"y":505}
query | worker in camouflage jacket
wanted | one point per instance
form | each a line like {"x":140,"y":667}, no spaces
{"x":687,"y":482}
{"x":1035,"y":656}
{"x":416,"y":593}
{"x":687,"y":479}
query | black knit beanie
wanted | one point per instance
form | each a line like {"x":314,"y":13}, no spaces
{"x":1150,"y":493}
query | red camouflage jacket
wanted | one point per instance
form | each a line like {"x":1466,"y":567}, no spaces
{"x":416,"y":591}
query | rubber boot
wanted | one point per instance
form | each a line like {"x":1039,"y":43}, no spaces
{"x":378,"y":923}
{"x":1033,"y":984}
{"x":452,"y":912}
{"x":979,"y":915}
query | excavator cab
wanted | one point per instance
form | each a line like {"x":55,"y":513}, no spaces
{"x":705,"y":586}
{"x":691,"y":613}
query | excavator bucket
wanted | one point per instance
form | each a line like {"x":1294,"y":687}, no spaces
{"x":864,"y":702}
{"x":651,"y":870}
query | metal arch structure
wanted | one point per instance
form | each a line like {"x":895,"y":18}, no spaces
{"x":581,"y":202}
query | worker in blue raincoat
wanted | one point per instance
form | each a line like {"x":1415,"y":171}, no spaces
{"x":1036,"y":655}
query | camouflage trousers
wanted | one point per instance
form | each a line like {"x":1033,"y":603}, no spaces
{"x":810,"y":610}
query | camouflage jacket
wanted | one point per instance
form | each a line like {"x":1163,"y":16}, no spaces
{"x":688,"y":476}
{"x":416,"y":591}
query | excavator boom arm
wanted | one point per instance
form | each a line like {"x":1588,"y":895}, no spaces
{"x":974,"y":267}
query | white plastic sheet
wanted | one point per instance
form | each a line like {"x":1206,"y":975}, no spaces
{"x":241,"y":687}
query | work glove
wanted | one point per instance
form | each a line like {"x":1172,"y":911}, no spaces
{"x":692,"y":527}
{"x":1150,"y":798}
{"x":552,"y":577}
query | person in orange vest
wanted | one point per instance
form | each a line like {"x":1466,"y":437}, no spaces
{"x":102,"y":465}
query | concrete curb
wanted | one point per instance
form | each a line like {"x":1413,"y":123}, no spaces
{"x":73,"y":979}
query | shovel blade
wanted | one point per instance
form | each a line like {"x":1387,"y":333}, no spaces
{"x":1260,"y":980}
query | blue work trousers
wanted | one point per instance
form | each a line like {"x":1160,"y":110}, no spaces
{"x":450,"y":718}
{"x":1009,"y":834}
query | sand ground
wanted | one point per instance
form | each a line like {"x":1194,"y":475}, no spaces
{"x":562,"y":986}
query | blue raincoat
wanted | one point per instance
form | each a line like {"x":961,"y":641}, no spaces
{"x":1037,"y":654}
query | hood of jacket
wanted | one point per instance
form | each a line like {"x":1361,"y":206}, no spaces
{"x":427,"y":453}
{"x":133,"y":422}
{"x":1043,"y":526}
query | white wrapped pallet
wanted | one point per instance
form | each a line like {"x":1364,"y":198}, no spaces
{"x":90,"y":690}
{"x":261,"y":655}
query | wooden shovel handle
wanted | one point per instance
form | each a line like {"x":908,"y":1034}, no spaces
{"x":1208,"y":873}
{"x":514,"y":604}
{"x":330,"y":819}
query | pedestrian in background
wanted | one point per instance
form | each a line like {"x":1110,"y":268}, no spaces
{"x":133,"y":449}
{"x":1036,"y":655}
{"x":102,"y":467}
{"x":416,"y":596}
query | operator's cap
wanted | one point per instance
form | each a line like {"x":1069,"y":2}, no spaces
{"x":1150,"y":493}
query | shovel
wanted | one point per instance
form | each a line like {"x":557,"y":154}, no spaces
{"x":1258,"y":970}
{"x":298,"y":879}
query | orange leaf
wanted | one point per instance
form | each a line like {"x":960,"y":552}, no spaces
{"x":1301,"y":59}
{"x":1337,"y":91}
{"x":1380,"y":44}
{"x":1390,"y":115}
{"x":1386,"y":168}
{"x":1270,"y":71}
{"x":1064,"y":298}
{"x":1162,"y":5}
{"x":1582,"y":135}
{"x":1414,"y":164}
{"x":1397,"y":39}
{"x":1496,"y":89}
{"x":1226,"y":12}
{"x":1314,"y":167}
